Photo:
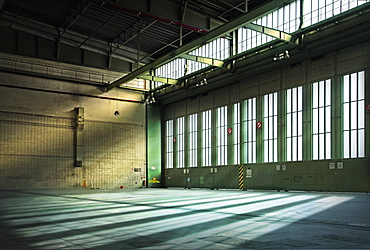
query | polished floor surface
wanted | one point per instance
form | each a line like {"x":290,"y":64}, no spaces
{"x":182,"y":219}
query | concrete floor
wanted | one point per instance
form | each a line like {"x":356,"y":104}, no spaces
{"x":182,"y":219}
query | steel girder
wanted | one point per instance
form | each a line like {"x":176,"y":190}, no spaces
{"x":208,"y":37}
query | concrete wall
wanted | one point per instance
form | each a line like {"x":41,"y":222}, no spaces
{"x":302,"y":175}
{"x":37,"y":135}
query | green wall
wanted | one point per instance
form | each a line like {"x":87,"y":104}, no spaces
{"x":153,"y":146}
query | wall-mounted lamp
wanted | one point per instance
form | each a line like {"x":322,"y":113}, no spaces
{"x":282,"y":56}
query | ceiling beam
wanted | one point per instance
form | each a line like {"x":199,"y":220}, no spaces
{"x":164,"y":11}
{"x":206,"y":60}
{"x":208,"y":37}
{"x":159,"y":79}
{"x":73,"y":15}
{"x":97,"y":30}
{"x":133,"y":31}
{"x":281,"y":35}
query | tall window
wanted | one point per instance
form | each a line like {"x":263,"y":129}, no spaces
{"x":249,"y":124}
{"x":318,"y":10}
{"x":222,"y":136}
{"x":236,"y":132}
{"x":286,"y":19}
{"x":294,"y":124}
{"x":169,"y":144}
{"x":354,"y":115}
{"x":193,"y":140}
{"x":206,"y":138}
{"x":270,"y":128}
{"x":321,"y":120}
{"x":180,"y":142}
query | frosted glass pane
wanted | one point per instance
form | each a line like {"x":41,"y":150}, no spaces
{"x":353,"y":143}
{"x":346,"y":119}
{"x":271,"y":104}
{"x":266,"y":149}
{"x":328,"y":92}
{"x":322,"y":146}
{"x":271,"y":127}
{"x":275,"y":150}
{"x":266,"y":128}
{"x":315,"y":95}
{"x":254,"y":108}
{"x":299,"y":148}
{"x":328,"y":146}
{"x":294,"y":100}
{"x":300,"y":123}
{"x":300,"y":99}
{"x":361,"y":114}
{"x":289,"y":125}
{"x":275,"y":104}
{"x":275,"y":127}
{"x":328,"y":120}
{"x":361,"y":85}
{"x":266,"y":106}
{"x":321,"y":120}
{"x":354,"y":114}
{"x":353,"y":87}
{"x":294,"y":124}
{"x":254,"y":152}
{"x":294,"y":148}
{"x":289,"y":101}
{"x":346,"y":144}
{"x":361,"y":143}
{"x":346,"y":88}
{"x":321,"y":93}
{"x":315,"y":121}
{"x":315,"y":147}
{"x":289,"y":149}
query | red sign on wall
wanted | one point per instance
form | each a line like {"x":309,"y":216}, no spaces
{"x":229,"y":131}
{"x":259,"y":125}
{"x":368,"y":107}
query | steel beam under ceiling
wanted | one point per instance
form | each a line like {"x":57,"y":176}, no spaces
{"x":208,"y":37}
{"x":133,"y":31}
{"x":206,"y":60}
{"x":272,"y":32}
{"x":101,"y":26}
{"x":159,"y":79}
{"x":72,"y":16}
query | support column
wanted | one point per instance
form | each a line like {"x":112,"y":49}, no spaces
{"x":78,"y":136}
{"x":154,"y":152}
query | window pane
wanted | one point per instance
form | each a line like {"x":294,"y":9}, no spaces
{"x":353,"y":87}
{"x":353,"y":143}
{"x":361,"y":143}
{"x":328,"y":146}
{"x":346,"y":88}
{"x":354,"y":114}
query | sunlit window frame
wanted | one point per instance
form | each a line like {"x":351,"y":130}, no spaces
{"x":294,"y":123}
{"x":221,"y":129}
{"x":193,"y":140}
{"x":270,"y":125}
{"x":169,"y":144}
{"x":249,"y":130}
{"x":236,"y":132}
{"x":180,"y":142}
{"x":354,"y":115}
{"x":321,"y":120}
{"x":207,"y":138}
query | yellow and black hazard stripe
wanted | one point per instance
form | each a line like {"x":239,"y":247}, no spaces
{"x":241,"y":177}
